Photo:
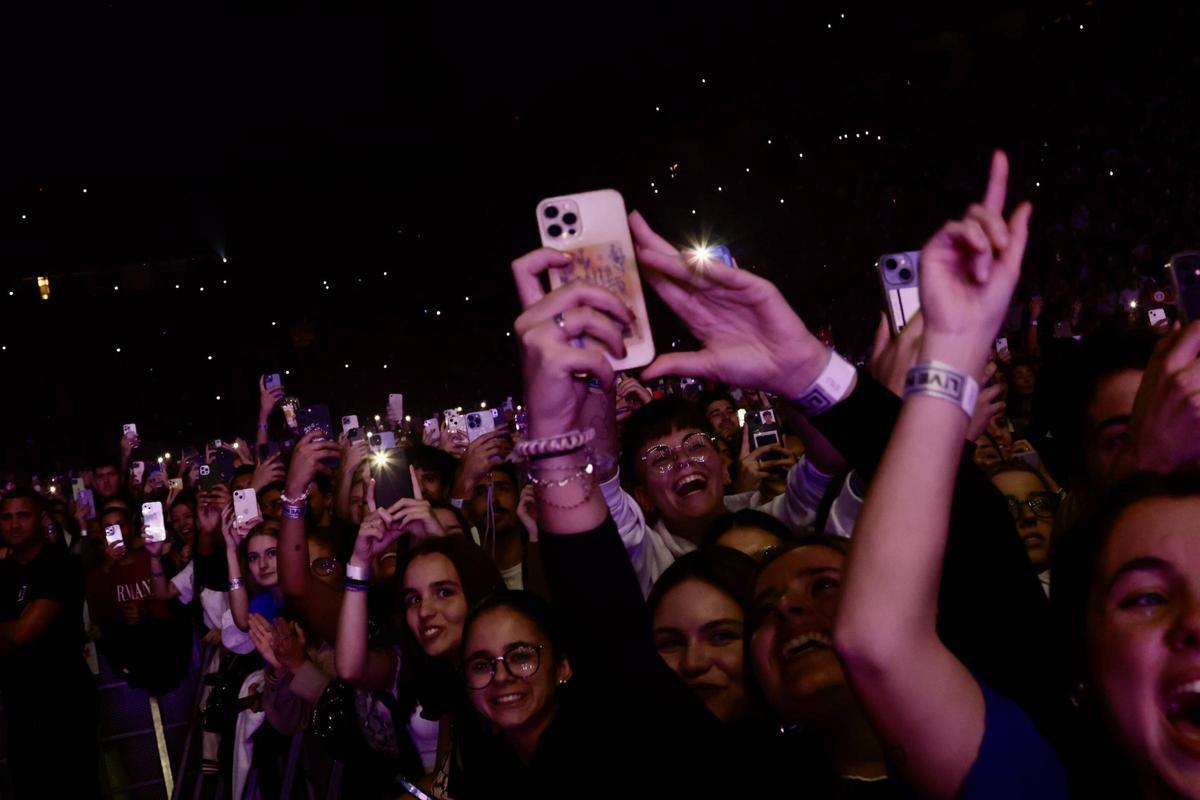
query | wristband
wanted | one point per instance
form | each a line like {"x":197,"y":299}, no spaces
{"x":555,"y":445}
{"x":236,"y":583}
{"x":936,"y":379}
{"x":295,"y":510}
{"x":262,"y":426}
{"x":355,"y":572}
{"x":354,"y":586}
{"x":829,"y":388}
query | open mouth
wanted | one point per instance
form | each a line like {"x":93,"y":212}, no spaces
{"x":508,"y":700}
{"x":690,"y":484}
{"x":430,"y":633}
{"x":804,"y":644}
{"x":1181,"y":707}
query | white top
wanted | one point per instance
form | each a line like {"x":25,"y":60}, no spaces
{"x":653,"y":549}
{"x":214,"y":604}
{"x":424,"y":734}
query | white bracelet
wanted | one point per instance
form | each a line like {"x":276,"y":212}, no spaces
{"x":829,"y":388}
{"x":936,"y":379}
{"x":358,"y":573}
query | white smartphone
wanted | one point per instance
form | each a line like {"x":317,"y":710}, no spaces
{"x":129,"y":429}
{"x":396,"y":406}
{"x":1158,"y":316}
{"x":454,"y":421}
{"x":77,"y":487}
{"x":155,"y":525}
{"x":136,"y":471}
{"x":430,"y":424}
{"x":349,"y":421}
{"x":593,"y":228}
{"x":113,"y":536}
{"x":381,"y":442}
{"x":245,"y":506}
{"x":1001,"y":345}
{"x":84,"y":499}
{"x":272,"y":381}
{"x":479,"y":423}
{"x":899,"y":275}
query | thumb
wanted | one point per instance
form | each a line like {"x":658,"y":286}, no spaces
{"x":694,"y":364}
{"x":883,"y":334}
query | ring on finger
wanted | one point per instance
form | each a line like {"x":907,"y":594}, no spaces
{"x":561,"y":321}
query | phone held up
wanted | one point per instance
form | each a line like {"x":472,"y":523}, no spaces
{"x":1185,"y":278}
{"x":393,"y":481}
{"x":593,"y":228}
{"x":245,"y":507}
{"x":899,"y":274}
{"x":764,"y":430}
{"x":155,"y":525}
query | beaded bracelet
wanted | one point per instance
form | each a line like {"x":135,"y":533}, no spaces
{"x":555,"y":445}
{"x":583,"y":472}
{"x":236,"y":583}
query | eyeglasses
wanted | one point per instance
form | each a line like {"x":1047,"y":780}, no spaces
{"x":521,"y":661}
{"x":324,"y":567}
{"x":696,"y":446}
{"x":1042,"y":504}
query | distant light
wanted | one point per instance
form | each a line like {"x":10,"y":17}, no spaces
{"x":287,"y":372}
{"x":466,"y":299}
{"x":693,"y":211}
{"x":377,"y":418}
{"x":24,"y":217}
{"x":218,"y":397}
{"x":781,"y":201}
{"x":439,"y":313}
{"x":11,"y":293}
{"x":1080,"y":27}
{"x":702,"y":80}
{"x":202,"y":288}
{"x":768,"y":141}
{"x":224,"y":282}
{"x":167,"y":456}
{"x":802,"y":155}
{"x":118,"y":349}
{"x":1037,"y":184}
{"x":385,"y":274}
{"x":1133,"y":303}
{"x":519,"y":408}
{"x":658,"y":108}
{"x":210,"y":358}
{"x":718,"y":188}
{"x":177,"y":286}
{"x":385,"y":366}
{"x":43,"y":283}
{"x":160,"y":459}
{"x":85,"y":190}
{"x":1110,"y":173}
{"x":483,"y":404}
{"x":508,"y":333}
{"x":407,"y":418}
{"x":747,"y":169}
{"x":272,"y":323}
{"x":829,"y":25}
{"x":224,"y":260}
{"x":116,"y":288}
{"x":347,"y":366}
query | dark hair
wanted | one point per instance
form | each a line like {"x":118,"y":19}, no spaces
{"x":243,"y":469}
{"x":26,"y":493}
{"x":185,"y":498}
{"x":431,"y":459}
{"x":477,"y":573}
{"x":1074,"y":559}
{"x":710,"y":396}
{"x":1012,"y":465}
{"x":324,"y":483}
{"x":123,"y":510}
{"x":261,"y":529}
{"x":528,"y":605}
{"x":746,"y":518}
{"x":826,"y":540}
{"x":456,"y":511}
{"x":731,"y":571}
{"x":654,"y":421}
{"x":273,"y":486}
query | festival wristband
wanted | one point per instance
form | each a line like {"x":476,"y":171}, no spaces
{"x":940,"y":380}
{"x":830,"y":387}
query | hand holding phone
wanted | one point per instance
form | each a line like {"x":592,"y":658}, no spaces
{"x":245,"y":507}
{"x":154,"y":526}
{"x":899,"y":275}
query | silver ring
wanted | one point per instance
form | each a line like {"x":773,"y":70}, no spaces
{"x":560,"y":321}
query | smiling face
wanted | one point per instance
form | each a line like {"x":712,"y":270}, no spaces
{"x":723,"y":418}
{"x":521,"y":704}
{"x":1018,"y":487}
{"x":434,"y":603}
{"x":183,"y":521}
{"x":1144,"y":639}
{"x":260,"y":558}
{"x":691,"y":489}
{"x":699,"y":631}
{"x":795,"y":604}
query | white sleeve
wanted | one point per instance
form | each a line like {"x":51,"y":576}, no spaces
{"x":631,"y":525}
{"x":233,"y":637}
{"x":797,"y":507}
{"x":184,"y":583}
{"x":844,"y":511}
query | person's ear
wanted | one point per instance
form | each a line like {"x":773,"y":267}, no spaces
{"x":563,"y":673}
{"x":644,"y":500}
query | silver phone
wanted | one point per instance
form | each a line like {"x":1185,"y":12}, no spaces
{"x":155,"y":525}
{"x":899,"y":273}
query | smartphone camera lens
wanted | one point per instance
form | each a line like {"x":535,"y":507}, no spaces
{"x":555,"y":230}
{"x":551,"y":212}
{"x":906,"y":274}
{"x":569,"y":218}
{"x":890,"y":263}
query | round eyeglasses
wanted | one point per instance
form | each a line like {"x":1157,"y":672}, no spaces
{"x":521,"y":661}
{"x":324,"y":567}
{"x":1042,"y":504}
{"x":696,"y":446}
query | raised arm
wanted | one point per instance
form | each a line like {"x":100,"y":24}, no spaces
{"x":921,"y":698}
{"x":239,"y":593}
{"x":267,"y":400}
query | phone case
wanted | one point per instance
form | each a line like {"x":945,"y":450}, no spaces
{"x":392,"y":479}
{"x":272,"y":381}
{"x":601,"y":249}
{"x":84,"y":499}
{"x":396,"y":405}
{"x":129,"y":428}
{"x":349,"y":421}
{"x":479,"y":423}
{"x":245,"y":506}
{"x":899,"y":274}
{"x":152,"y":517}
{"x":454,"y":421}
{"x":1185,"y":278}
{"x":113,"y":535}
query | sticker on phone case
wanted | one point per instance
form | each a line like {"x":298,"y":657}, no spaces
{"x":606,"y":265}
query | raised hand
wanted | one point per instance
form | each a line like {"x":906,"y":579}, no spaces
{"x":893,"y":355}
{"x":751,"y":337}
{"x":209,"y":507}
{"x":968,"y":272}
{"x":482,"y":454}
{"x":262,"y":633}
{"x":631,"y":395}
{"x":268,"y":398}
{"x":308,"y":452}
{"x":1164,"y":429}
{"x":266,"y":472}
{"x":375,"y":534}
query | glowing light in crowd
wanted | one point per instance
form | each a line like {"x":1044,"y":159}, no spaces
{"x":44,"y":287}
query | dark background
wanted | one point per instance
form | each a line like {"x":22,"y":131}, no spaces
{"x":310,"y":144}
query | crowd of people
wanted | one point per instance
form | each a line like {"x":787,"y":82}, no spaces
{"x":961,"y":569}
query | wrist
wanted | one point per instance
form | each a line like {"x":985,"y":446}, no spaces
{"x":359,"y":561}
{"x":959,"y":351}
{"x":797,"y":378}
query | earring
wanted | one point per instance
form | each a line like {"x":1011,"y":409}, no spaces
{"x":562,"y":681}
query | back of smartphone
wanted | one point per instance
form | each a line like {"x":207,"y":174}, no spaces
{"x":593,"y":228}
{"x":392,"y":479}
{"x":899,"y":274}
{"x":1185,"y":276}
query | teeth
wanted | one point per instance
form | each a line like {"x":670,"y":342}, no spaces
{"x":803,"y":640}
{"x":687,"y":480}
{"x":504,"y":699}
{"x":1187,"y":688}
{"x":430,"y":632}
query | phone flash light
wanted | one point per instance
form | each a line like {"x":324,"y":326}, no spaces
{"x":741,"y":416}
{"x":53,"y":489}
{"x":483,"y":404}
{"x":235,"y":445}
{"x":377,"y":418}
{"x":160,"y":459}
{"x":380,"y":457}
{"x":167,"y":456}
{"x":407,"y":418}
{"x":1133,"y":303}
